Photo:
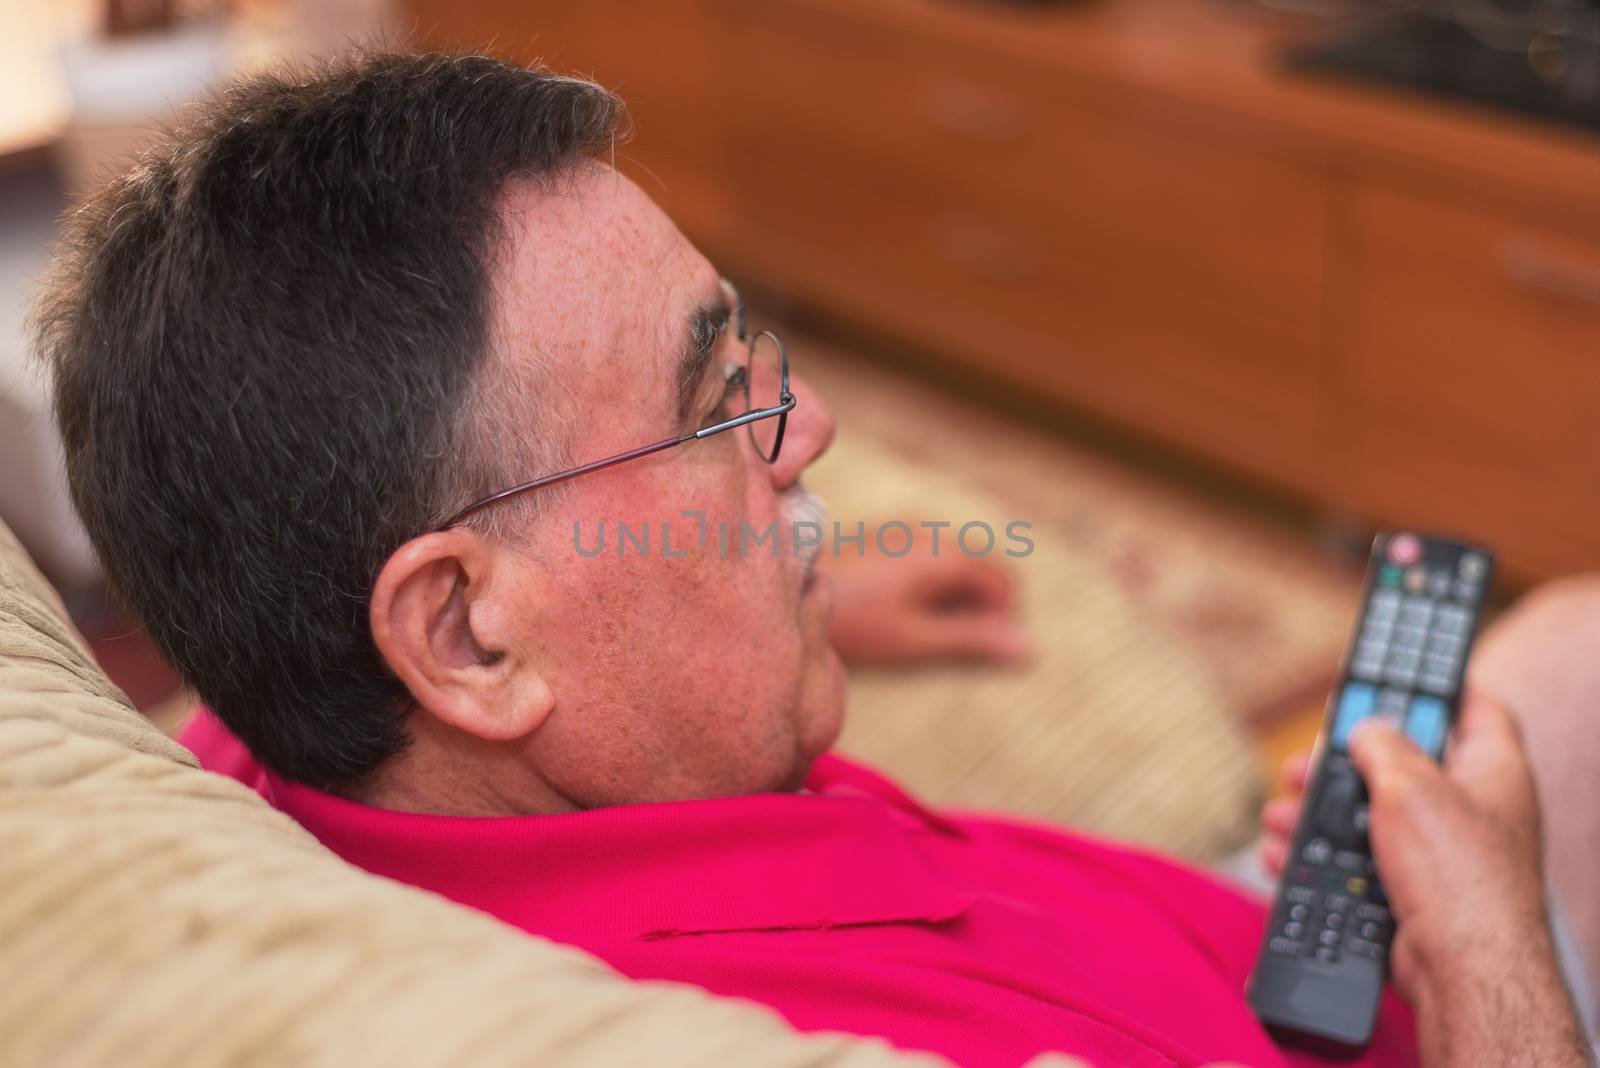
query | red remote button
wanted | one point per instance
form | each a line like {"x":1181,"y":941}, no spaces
{"x":1405,"y":550}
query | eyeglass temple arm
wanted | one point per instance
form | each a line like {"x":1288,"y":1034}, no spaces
{"x":751,"y":416}
{"x":632,"y":454}
{"x":562,"y":476}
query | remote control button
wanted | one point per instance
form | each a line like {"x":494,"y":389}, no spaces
{"x":1375,"y":913}
{"x":1442,"y":644}
{"x":1301,"y":895}
{"x":1415,"y":580}
{"x":1328,"y":938}
{"x":1452,"y":619}
{"x":1405,"y":549}
{"x":1374,"y":641}
{"x":1337,"y":902}
{"x":1350,"y":860}
{"x":1438,"y":583}
{"x":1443,"y":685}
{"x":1392,"y":702}
{"x":1400,"y":675}
{"x":1317,"y":851}
{"x":1367,"y":649}
{"x":1356,"y":886}
{"x":1372,"y":931}
{"x":1389,"y":577}
{"x":1436,"y":684}
{"x":1415,"y":612}
{"x":1466,"y":591}
{"x":1426,"y":724}
{"x":1385,"y":616}
{"x":1298,"y":913}
{"x":1360,"y":817}
{"x":1334,"y":920}
{"x":1337,"y":797}
{"x":1285,"y":947}
{"x":1406,"y":659}
{"x":1362,"y":948}
{"x":1328,"y":955}
{"x":1368,"y":668}
{"x":1472,"y":567}
{"x":1410,"y":639}
{"x":1438,"y":664}
{"x":1294,"y":929}
{"x":1355,"y":704}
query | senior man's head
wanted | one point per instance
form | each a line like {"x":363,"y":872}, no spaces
{"x":339,"y":309}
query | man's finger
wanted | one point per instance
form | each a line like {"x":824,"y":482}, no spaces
{"x":1485,"y":721}
{"x":980,"y":635}
{"x":1274,"y":854}
{"x":1280,"y":815}
{"x":966,"y":581}
{"x":1488,"y":758}
{"x":1295,"y":772}
{"x":1387,"y":759}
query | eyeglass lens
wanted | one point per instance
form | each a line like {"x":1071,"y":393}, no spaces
{"x":764,"y":389}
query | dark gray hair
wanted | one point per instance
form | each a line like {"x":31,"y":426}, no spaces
{"x":271,"y":349}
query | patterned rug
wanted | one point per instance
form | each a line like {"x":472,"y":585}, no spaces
{"x":1265,"y":610}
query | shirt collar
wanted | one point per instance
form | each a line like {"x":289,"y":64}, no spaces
{"x":851,"y":851}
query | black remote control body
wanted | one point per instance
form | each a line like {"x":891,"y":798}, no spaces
{"x":1324,"y":959}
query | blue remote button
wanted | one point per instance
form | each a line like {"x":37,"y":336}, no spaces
{"x":1355,"y":704}
{"x":1426,"y":724}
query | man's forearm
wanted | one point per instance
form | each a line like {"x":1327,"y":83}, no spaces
{"x":1520,"y":1014}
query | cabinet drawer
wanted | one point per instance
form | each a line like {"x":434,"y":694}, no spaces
{"x":971,"y":205}
{"x":1470,"y":398}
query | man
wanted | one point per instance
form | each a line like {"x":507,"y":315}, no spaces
{"x":341,"y":371}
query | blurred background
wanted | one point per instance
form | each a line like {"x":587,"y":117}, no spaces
{"x":1207,"y":289}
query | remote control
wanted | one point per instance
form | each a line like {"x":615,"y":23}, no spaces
{"x":1325,"y":956}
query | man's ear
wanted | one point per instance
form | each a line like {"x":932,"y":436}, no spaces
{"x":441,"y":620}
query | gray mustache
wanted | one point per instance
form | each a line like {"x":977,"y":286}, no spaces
{"x":800,"y":505}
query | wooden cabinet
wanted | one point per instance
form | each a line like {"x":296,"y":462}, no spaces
{"x":1468,"y":392}
{"x":976,"y":206}
{"x":1390,"y":308}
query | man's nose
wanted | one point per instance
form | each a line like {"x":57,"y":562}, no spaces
{"x":808,"y":435}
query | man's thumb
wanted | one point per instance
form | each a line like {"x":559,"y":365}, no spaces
{"x":1384,"y":756}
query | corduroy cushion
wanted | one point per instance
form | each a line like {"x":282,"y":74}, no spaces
{"x":152,"y":914}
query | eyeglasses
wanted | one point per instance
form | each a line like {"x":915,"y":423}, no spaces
{"x":768,"y":401}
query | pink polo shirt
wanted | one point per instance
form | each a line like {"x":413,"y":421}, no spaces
{"x":853,"y":908}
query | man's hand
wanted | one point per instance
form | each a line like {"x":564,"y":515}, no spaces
{"x":898,"y":610}
{"x":1458,"y":851}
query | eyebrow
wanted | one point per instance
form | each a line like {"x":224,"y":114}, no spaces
{"x":705,"y":326}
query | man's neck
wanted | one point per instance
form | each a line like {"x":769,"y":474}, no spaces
{"x":445,"y":772}
{"x":460,"y":776}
